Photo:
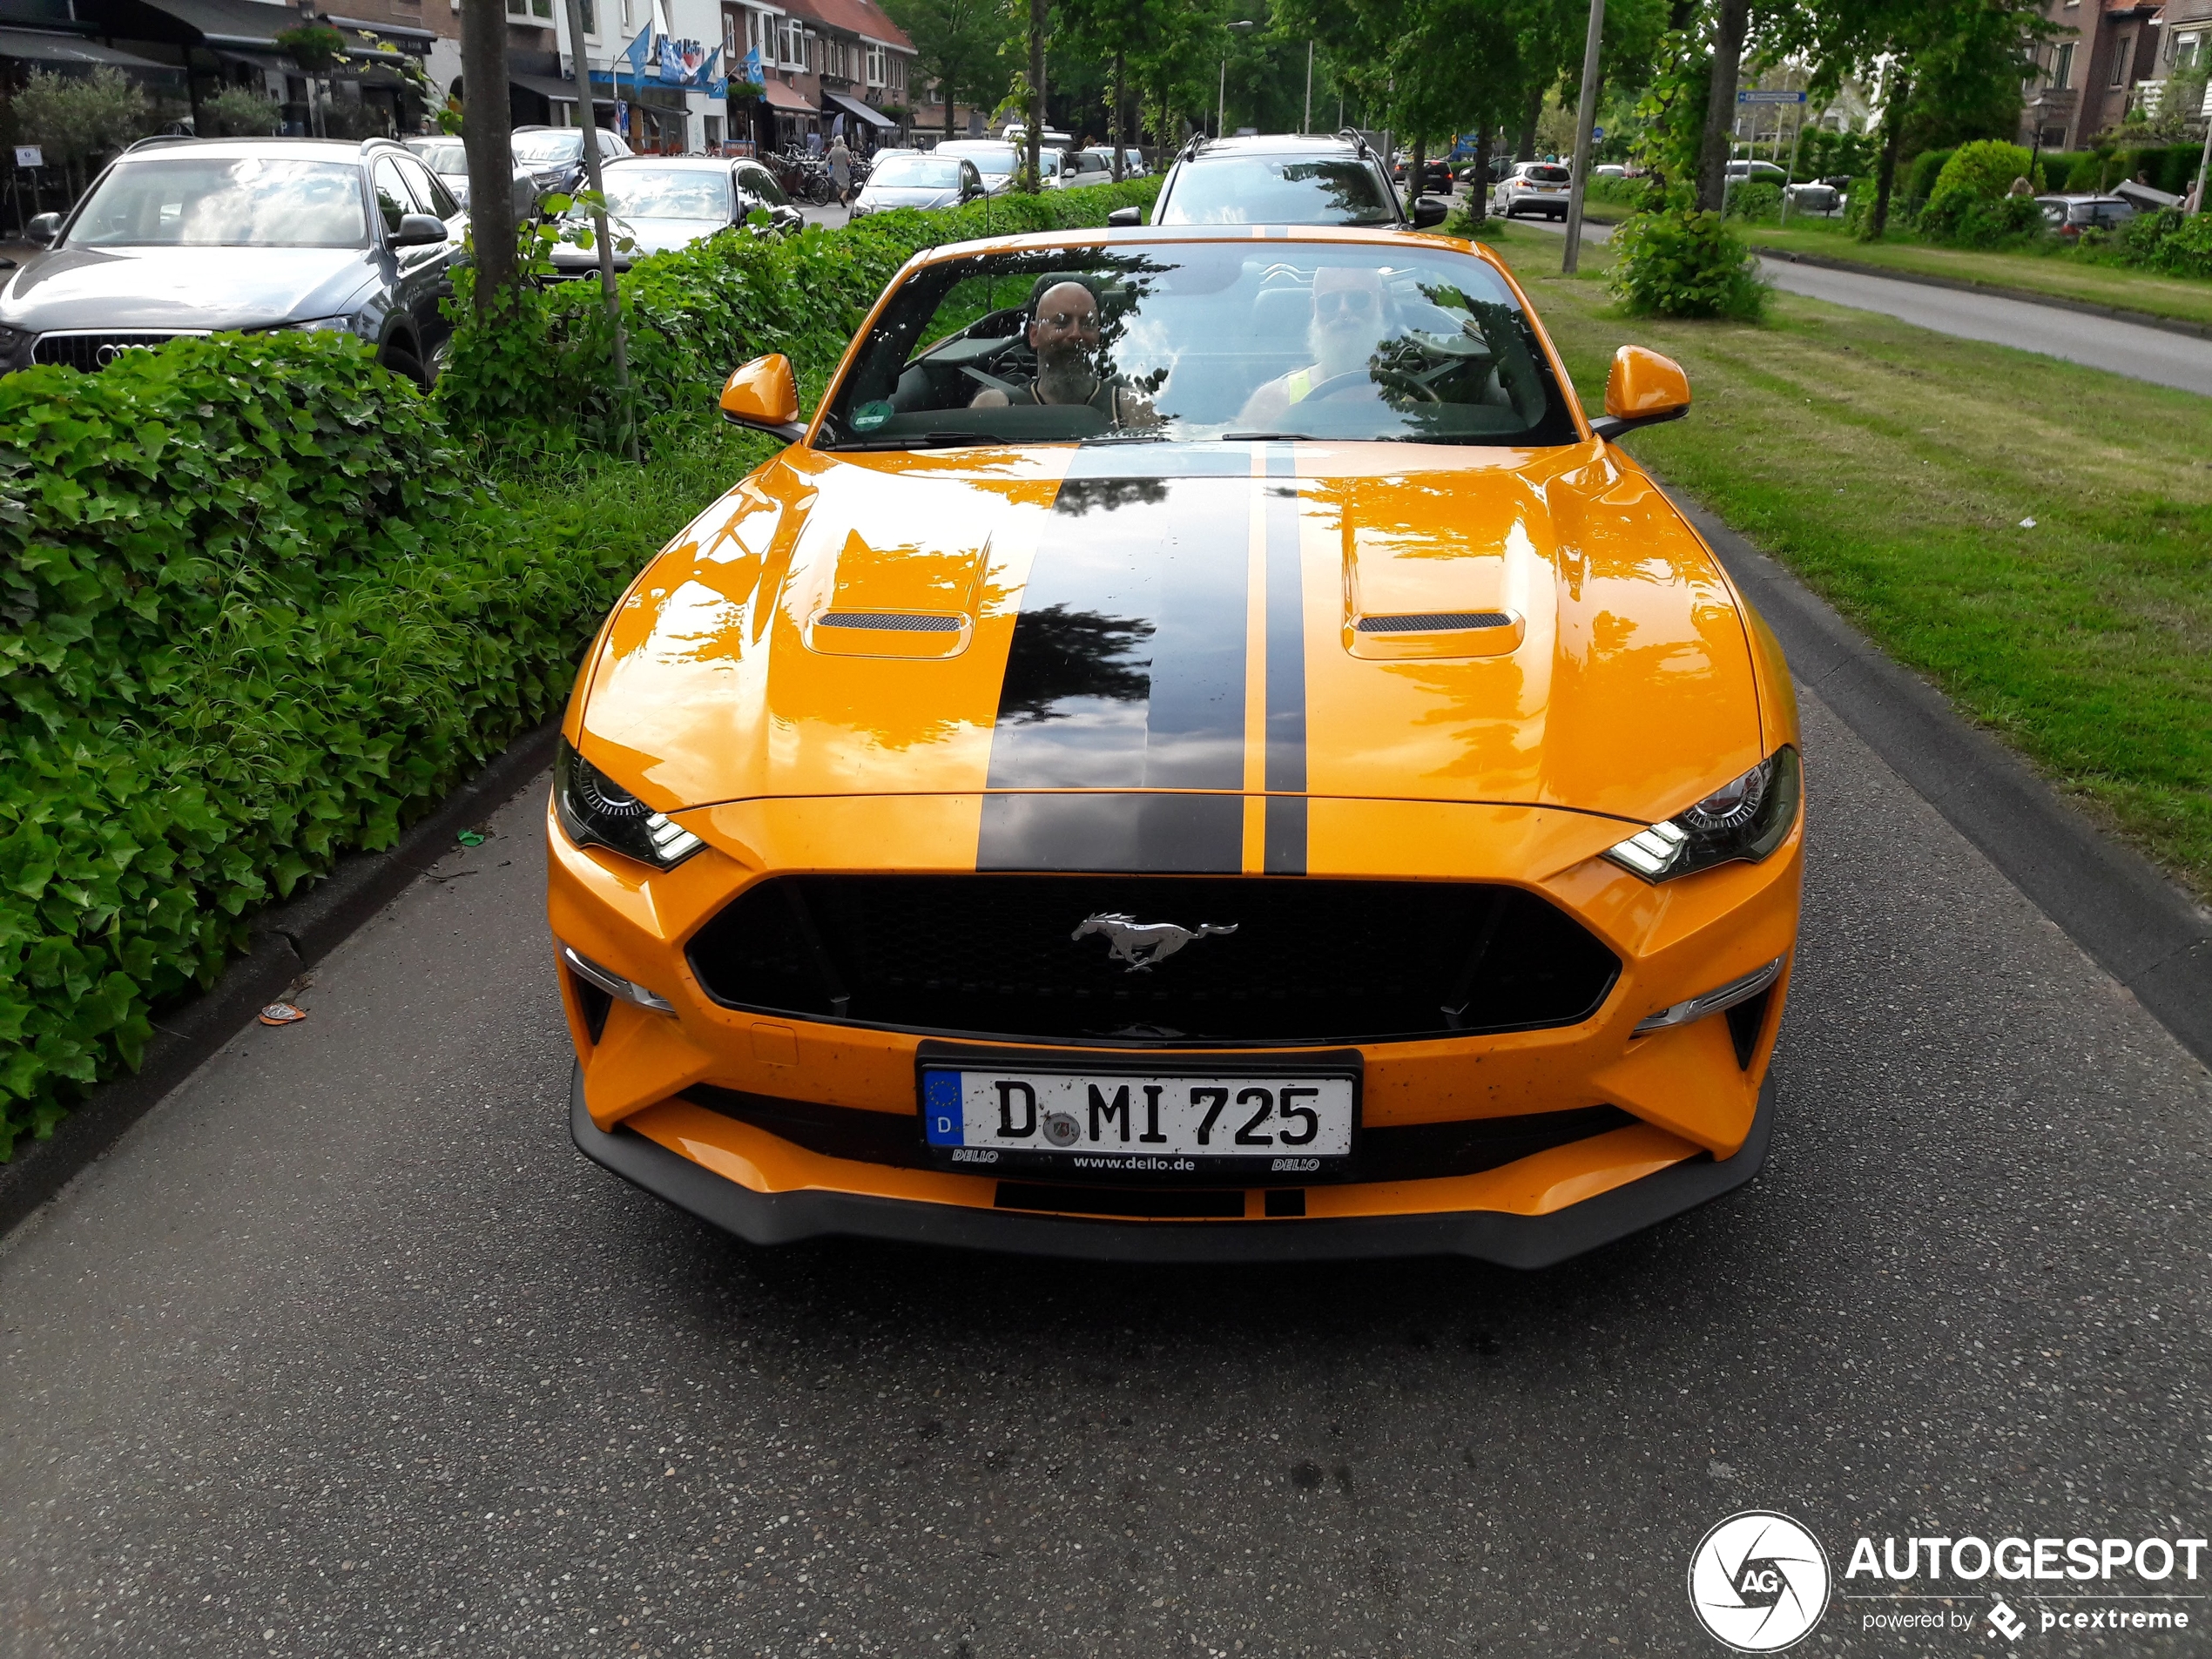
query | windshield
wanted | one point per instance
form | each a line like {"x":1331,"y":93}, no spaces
{"x":665,"y":192}
{"x":1203,"y":341}
{"x":992,"y":161}
{"x":210,"y":201}
{"x":1277,"y":190}
{"x":918,"y":173}
{"x":451,"y":159}
{"x":564,"y":145}
{"x":1542,"y":175}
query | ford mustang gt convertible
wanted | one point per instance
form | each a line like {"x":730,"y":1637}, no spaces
{"x":1197,"y":750}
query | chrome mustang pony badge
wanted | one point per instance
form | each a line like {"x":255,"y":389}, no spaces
{"x":1142,"y":943}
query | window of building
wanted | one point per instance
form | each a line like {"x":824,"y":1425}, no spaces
{"x":590,"y":16}
{"x":2120,"y":50}
{"x":713,"y":131}
{"x":2189,"y":50}
{"x":2062,"y":65}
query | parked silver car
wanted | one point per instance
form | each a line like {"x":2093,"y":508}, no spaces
{"x":449,"y":158}
{"x":1532,"y":188}
{"x":671,"y":201}
{"x":911,"y":179}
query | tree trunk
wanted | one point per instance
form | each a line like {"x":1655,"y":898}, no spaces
{"x":484,"y":136}
{"x":1885,"y":177}
{"x":1479,"y":191}
{"x":948,"y":107}
{"x":1525,"y":150}
{"x":1038,"y":11}
{"x":1115,"y":128}
{"x":1413,"y":172}
{"x":1729,"y":27}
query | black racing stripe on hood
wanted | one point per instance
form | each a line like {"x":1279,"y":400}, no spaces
{"x":1160,"y":834}
{"x":1126,"y":671}
{"x":1286,"y":768}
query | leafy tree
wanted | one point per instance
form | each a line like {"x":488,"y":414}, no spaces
{"x":959,"y":45}
{"x":239,"y":112}
{"x":75,"y":118}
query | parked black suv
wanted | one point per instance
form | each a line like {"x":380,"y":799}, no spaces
{"x":1283,"y":178}
{"x":193,"y":236}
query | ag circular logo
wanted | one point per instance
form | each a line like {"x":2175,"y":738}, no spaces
{"x":1759,"y":1581}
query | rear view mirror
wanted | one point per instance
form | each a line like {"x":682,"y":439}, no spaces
{"x":1642,"y":390}
{"x":1428,"y":210}
{"x":1125,"y":218}
{"x":763,"y":396}
{"x":44,"y":229}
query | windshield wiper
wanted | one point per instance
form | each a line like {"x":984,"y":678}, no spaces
{"x":920,"y":440}
{"x":1261,"y":437}
{"x":1126,"y":437}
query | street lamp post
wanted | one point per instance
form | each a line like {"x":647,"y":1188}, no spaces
{"x":1221,"y":96}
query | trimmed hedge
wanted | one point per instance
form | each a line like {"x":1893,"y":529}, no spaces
{"x":252,"y":613}
{"x":256,"y":609}
{"x":543,"y":376}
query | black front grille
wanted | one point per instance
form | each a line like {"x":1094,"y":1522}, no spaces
{"x":1310,"y":960}
{"x":91,"y":352}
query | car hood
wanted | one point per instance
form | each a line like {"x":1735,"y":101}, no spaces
{"x":908,"y":196}
{"x":653,"y":236}
{"x":1185,"y":618}
{"x":185,"y":287}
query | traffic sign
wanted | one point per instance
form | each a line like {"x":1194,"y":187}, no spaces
{"x":1770,"y":98}
{"x":1597,"y":133}
{"x":30,"y":155}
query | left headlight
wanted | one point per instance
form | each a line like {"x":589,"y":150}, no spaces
{"x":595,"y":811}
{"x":350,"y":323}
{"x":1743,"y":820}
{"x":10,"y":339}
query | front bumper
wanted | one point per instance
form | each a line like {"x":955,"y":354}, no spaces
{"x":1509,"y":1240}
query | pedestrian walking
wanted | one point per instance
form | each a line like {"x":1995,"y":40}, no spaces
{"x":840,"y":167}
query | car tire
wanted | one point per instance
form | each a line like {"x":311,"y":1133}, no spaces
{"x":400,"y":358}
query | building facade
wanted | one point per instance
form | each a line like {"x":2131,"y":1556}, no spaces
{"x":826,"y":67}
{"x":2095,"y":69}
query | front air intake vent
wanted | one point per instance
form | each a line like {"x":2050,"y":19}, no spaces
{"x":1308,"y":961}
{"x":1435,"y":622}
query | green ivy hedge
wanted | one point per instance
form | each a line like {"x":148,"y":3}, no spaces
{"x":252,"y":613}
{"x":256,"y":608}
{"x":543,"y":376}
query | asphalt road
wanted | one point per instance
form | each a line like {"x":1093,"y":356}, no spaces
{"x":2101,"y":342}
{"x":345,"y":1349}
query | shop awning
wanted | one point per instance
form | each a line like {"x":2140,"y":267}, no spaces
{"x":551,"y":86}
{"x":390,"y":29}
{"x":853,"y":106}
{"x":30,"y":46}
{"x":779,"y":97}
{"x":232,"y":23}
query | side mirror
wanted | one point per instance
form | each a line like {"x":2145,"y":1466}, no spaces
{"x":763,"y":396}
{"x":1642,"y":390}
{"x":1428,"y":210}
{"x":1125,"y":218}
{"x":418,"y":230}
{"x":44,"y":229}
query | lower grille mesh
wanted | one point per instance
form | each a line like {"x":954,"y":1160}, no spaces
{"x":1310,"y":960}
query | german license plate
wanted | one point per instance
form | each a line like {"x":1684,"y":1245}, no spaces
{"x":1103,"y":1124}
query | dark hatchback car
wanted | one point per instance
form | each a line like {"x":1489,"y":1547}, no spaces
{"x":1282,"y":180}
{"x":197,"y":236}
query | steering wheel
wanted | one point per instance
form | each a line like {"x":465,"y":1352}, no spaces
{"x":1397,"y":380}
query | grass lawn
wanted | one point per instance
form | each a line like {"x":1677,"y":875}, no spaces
{"x":1890,"y":468}
{"x":2059,"y":275}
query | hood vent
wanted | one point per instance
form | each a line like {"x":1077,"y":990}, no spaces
{"x":887,"y":633}
{"x":1437,"y":622}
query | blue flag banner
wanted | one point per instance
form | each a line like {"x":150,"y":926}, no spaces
{"x":639,"y":49}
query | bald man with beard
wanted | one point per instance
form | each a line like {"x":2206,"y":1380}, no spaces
{"x":1351,"y":317}
{"x":1064,"y":335}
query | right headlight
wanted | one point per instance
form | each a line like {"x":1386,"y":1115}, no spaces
{"x":1745,"y":819}
{"x":595,"y":811}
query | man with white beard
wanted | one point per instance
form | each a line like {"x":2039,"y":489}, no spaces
{"x":1351,"y":317}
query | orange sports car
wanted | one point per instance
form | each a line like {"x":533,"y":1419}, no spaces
{"x":1199,"y":750}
